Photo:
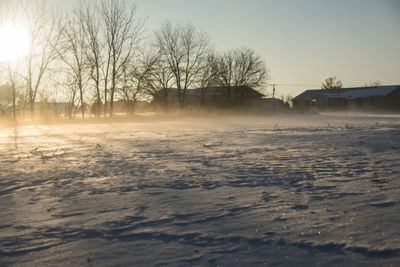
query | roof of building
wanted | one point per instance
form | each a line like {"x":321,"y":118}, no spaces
{"x":348,"y":93}
{"x":212,"y":91}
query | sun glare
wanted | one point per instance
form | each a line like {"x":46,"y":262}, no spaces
{"x":14,"y":42}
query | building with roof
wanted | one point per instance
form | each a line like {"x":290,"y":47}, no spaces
{"x":216,"y":96}
{"x":361,"y":98}
{"x":226,"y":95}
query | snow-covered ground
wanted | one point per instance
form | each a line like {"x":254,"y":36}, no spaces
{"x":250,"y":191}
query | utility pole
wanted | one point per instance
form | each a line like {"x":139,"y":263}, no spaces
{"x":273,"y":90}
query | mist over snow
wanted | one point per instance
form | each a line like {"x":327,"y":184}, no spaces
{"x":297,"y":190}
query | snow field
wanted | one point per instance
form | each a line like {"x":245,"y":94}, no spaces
{"x":248,"y":191}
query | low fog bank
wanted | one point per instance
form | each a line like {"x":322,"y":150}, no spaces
{"x":217,"y":120}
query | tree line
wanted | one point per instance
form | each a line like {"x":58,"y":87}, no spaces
{"x":99,"y":52}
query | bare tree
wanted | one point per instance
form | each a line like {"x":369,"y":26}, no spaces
{"x":122,"y":32}
{"x":12,"y":79}
{"x":184,"y":49}
{"x":8,"y":12}
{"x":9,"y":75}
{"x":72,"y":52}
{"x":332,"y":83}
{"x":44,"y":34}
{"x":130,"y":88}
{"x":240,"y":68}
{"x":136,"y":76}
{"x":208,"y":75}
{"x":159,"y":79}
{"x":372,"y":84}
{"x":94,"y":48}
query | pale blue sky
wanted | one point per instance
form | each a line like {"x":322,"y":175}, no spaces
{"x":303,"y":42}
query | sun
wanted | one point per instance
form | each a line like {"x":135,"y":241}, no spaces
{"x":14,"y":42}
